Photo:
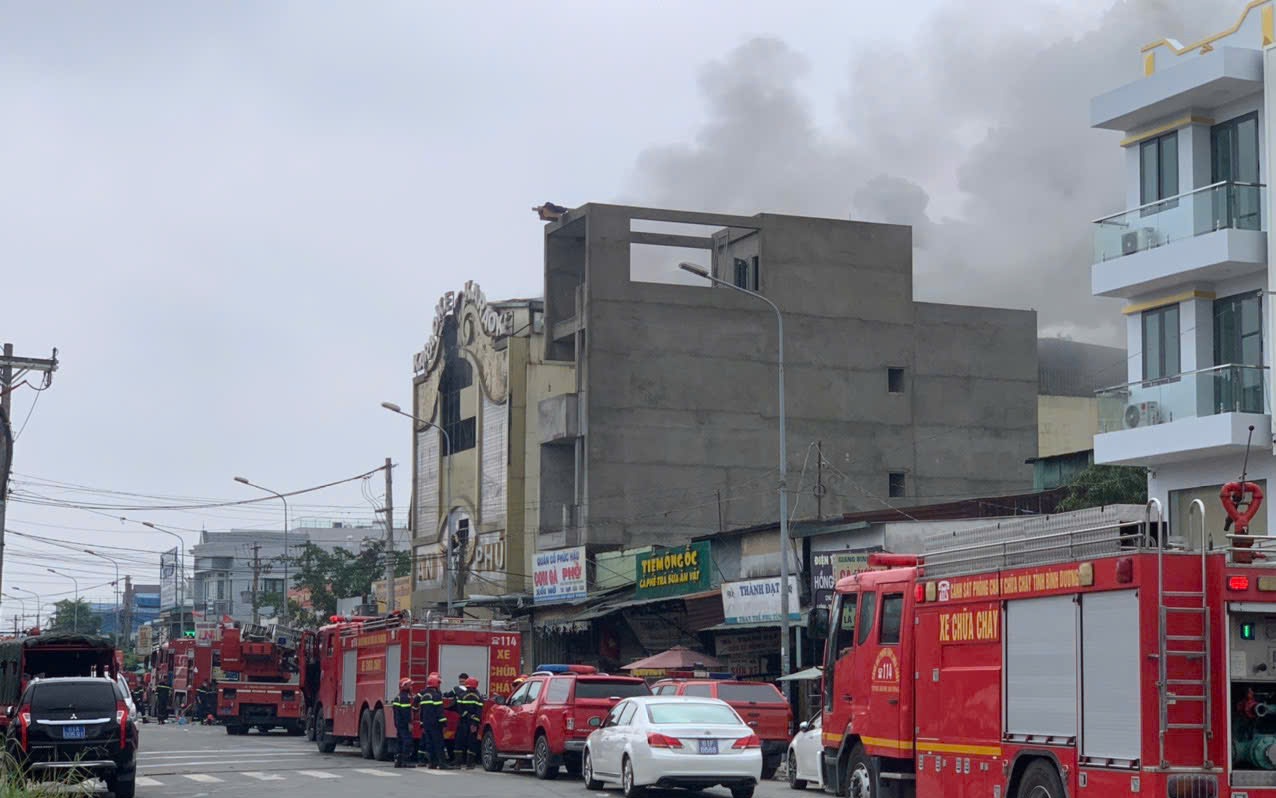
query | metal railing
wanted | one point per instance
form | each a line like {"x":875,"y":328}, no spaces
{"x":1225,"y":205}
{"x":1230,"y":388}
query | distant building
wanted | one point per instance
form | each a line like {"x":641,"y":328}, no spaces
{"x":1070,"y":375}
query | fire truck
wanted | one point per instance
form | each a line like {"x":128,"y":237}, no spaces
{"x":1092,"y":654}
{"x":262,"y":681}
{"x":362,"y":659}
{"x":188,"y":663}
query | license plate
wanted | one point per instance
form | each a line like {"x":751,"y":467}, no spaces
{"x":708,"y":746}
{"x":72,"y":732}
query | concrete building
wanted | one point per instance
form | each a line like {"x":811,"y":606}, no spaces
{"x":1070,"y":375}
{"x":222,"y":562}
{"x":670,"y":428}
{"x":1190,"y":257}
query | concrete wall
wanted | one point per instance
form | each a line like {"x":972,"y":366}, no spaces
{"x":1066,"y":424}
{"x":679,"y":408}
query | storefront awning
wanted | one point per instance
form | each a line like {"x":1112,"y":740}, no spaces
{"x":615,"y":605}
{"x":803,"y":676}
{"x":739,"y":627}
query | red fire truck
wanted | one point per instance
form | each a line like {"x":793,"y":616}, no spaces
{"x":261,"y":680}
{"x":189,"y":664}
{"x":362,"y":659}
{"x":1083,"y":654}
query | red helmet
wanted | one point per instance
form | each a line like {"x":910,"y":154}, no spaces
{"x":433,"y":680}
{"x":405,"y":683}
{"x":471,"y":683}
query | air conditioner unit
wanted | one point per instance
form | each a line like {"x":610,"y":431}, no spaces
{"x":1139,"y":240}
{"x":1142,"y":414}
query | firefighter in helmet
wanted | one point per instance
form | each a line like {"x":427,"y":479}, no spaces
{"x":406,"y":757}
{"x":432,"y":721}
{"x":470,"y":705}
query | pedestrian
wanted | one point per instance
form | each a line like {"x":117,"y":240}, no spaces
{"x":433,"y":721}
{"x":406,"y":756}
{"x":470,"y":705}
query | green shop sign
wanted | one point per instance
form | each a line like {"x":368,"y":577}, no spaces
{"x":673,"y":572}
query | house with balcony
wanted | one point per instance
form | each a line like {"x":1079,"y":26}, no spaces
{"x":1189,"y":256}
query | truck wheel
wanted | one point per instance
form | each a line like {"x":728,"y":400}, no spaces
{"x":1040,"y":780}
{"x":860,"y":777}
{"x":627,"y":781}
{"x":326,"y":742}
{"x":587,"y":770}
{"x":794,"y":782}
{"x":542,"y":760}
{"x":365,"y":735}
{"x":491,"y":762}
{"x":380,"y":747}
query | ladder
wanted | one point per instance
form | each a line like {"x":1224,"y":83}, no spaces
{"x":1191,"y":651}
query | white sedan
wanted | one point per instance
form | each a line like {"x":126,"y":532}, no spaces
{"x":804,"y":756}
{"x":673,"y":741}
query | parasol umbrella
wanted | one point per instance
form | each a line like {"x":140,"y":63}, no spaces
{"x":676,"y":658}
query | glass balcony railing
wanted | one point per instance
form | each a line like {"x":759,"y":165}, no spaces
{"x":1208,"y":392}
{"x":1222,"y":206}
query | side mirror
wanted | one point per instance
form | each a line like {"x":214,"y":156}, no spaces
{"x":804,"y":726}
{"x":10,"y":710}
{"x":498,"y":699}
{"x":818,"y":623}
{"x":595,"y":721}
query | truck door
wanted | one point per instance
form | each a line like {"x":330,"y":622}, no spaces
{"x":887,"y":701}
{"x":523,"y":728}
{"x":863,"y":658}
{"x":839,"y":661}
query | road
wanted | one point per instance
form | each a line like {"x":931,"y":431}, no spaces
{"x":204,"y":761}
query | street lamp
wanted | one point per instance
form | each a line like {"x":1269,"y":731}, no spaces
{"x":38,"y":603}
{"x":700,"y":271}
{"x":281,"y":498}
{"x":21,"y":603}
{"x":76,"y":615}
{"x":447,"y":515}
{"x":116,"y":563}
{"x":181,"y":573}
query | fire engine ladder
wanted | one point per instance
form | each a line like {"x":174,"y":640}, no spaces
{"x":1182,"y":653}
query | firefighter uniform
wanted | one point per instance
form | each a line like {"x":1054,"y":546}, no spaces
{"x":433,"y":722}
{"x":470,"y":706}
{"x":406,"y":757}
{"x":163,"y":694}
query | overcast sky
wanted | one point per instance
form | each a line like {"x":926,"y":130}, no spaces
{"x":234,"y":219}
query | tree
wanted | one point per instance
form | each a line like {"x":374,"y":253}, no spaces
{"x":1100,"y":485}
{"x":330,"y":575}
{"x":64,"y":618}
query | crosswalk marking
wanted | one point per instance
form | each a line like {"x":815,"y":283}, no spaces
{"x":318,"y":774}
{"x":203,"y":778}
{"x":147,"y":781}
{"x":436,"y":772}
{"x":257,"y":774}
{"x":374,"y":772}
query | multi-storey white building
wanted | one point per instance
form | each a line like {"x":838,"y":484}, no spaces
{"x":1190,"y":257}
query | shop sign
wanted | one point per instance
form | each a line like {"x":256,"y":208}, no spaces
{"x":170,"y":578}
{"x":758,"y":601}
{"x":144,"y":640}
{"x":752,"y":643}
{"x":673,"y":572}
{"x":558,"y":575}
{"x":494,"y":323}
{"x":827,"y":567}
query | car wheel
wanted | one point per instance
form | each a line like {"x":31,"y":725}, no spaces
{"x":365,"y":735}
{"x":124,"y":787}
{"x":542,"y":760}
{"x":627,"y":781}
{"x":743,"y":792}
{"x":860,"y":778}
{"x":794,"y":782}
{"x":1040,"y":780}
{"x":380,"y":746}
{"x":587,"y":770}
{"x":491,"y":761}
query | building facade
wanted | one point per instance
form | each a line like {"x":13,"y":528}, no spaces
{"x":1190,"y":257}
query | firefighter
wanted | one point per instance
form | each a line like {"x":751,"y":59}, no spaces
{"x":406,"y":757}
{"x":163,"y":695}
{"x":433,"y":721}
{"x":470,"y":705}
{"x":202,"y":701}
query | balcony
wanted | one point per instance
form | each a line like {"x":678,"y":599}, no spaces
{"x":1210,"y":233}
{"x":1198,"y":414}
{"x":1207,"y":80}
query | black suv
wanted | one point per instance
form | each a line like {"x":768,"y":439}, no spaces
{"x":75,"y":727}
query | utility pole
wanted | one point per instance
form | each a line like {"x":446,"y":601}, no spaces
{"x":11,"y":369}
{"x":256,"y":576}
{"x":389,"y":538}
{"x":126,"y":625}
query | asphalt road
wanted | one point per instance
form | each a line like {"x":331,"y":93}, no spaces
{"x":204,"y":761}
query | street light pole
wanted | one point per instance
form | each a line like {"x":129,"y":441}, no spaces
{"x":117,"y":590}
{"x":38,"y":602}
{"x":21,"y":603}
{"x":181,"y":578}
{"x":700,"y":271}
{"x":281,"y":498}
{"x":75,"y":615}
{"x":447,"y":512}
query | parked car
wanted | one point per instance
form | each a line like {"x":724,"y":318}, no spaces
{"x":804,"y":755}
{"x":761,"y":705}
{"x":76,"y":726}
{"x":547,"y":719}
{"x":665,"y":742}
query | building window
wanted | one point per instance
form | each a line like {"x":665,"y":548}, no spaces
{"x":895,"y":484}
{"x":1159,"y":170}
{"x":269,"y":586}
{"x":457,"y":375}
{"x":1161,"y":343}
{"x":746,"y":273}
{"x":894,"y":380}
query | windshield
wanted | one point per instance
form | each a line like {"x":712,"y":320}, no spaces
{"x":757,"y":693}
{"x":96,"y":699}
{"x":692,"y":712}
{"x":593,"y":688}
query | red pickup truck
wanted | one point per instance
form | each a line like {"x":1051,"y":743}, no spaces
{"x":548,"y":718}
{"x":760,"y":704}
